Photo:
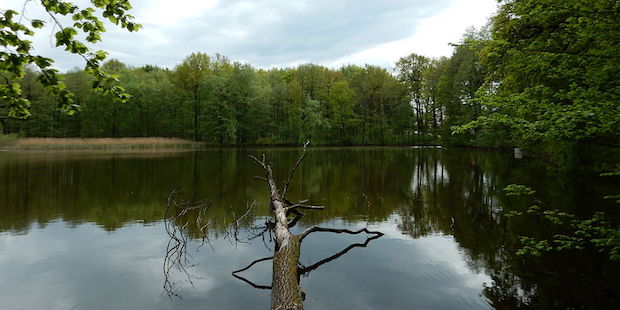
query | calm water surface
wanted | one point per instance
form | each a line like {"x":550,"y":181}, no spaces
{"x":85,"y":230}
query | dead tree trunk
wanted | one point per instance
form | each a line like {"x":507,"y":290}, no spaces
{"x":286,"y":292}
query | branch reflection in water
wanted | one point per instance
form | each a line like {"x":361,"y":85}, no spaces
{"x":177,"y":222}
{"x":186,"y":221}
{"x":305,"y":270}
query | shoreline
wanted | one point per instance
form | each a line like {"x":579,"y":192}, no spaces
{"x":144,"y":143}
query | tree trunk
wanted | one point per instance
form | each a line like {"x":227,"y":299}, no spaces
{"x":286,"y":292}
{"x":196,"y":115}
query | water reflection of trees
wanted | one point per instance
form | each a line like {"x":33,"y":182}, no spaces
{"x":459,"y":193}
{"x":113,"y":191}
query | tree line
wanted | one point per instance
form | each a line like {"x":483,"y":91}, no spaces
{"x":213,"y":99}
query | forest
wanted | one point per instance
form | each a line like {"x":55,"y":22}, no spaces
{"x":213,"y":99}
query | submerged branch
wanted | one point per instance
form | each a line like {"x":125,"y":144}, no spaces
{"x":293,"y":222}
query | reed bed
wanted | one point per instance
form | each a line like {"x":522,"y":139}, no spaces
{"x":101,"y":143}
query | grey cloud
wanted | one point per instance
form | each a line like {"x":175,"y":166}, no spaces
{"x":323,"y":32}
{"x":272,"y":32}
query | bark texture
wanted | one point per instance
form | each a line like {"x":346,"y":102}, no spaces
{"x":286,"y":293}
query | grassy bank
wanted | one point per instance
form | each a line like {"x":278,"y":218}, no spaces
{"x":96,"y":143}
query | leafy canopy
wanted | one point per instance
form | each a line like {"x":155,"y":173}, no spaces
{"x":18,"y":52}
{"x":554,"y":71}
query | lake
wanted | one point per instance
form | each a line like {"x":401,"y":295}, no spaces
{"x":86,"y":230}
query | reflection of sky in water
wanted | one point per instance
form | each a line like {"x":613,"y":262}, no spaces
{"x":88,"y":268}
{"x":101,"y":256}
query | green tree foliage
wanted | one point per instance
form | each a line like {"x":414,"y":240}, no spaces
{"x":443,"y":91}
{"x":231,"y":103}
{"x":577,"y":234}
{"x":552,"y":82}
{"x":341,"y":114}
{"x":431,"y":91}
{"x":189,"y":76}
{"x":411,"y":72}
{"x":553,"y":79}
{"x":18,"y":52}
{"x":464,"y":74}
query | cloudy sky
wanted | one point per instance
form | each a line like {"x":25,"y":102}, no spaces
{"x":279,"y":33}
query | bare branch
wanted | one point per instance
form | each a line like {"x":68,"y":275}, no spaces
{"x":290,"y":203}
{"x":302,"y":206}
{"x":290,"y":176}
{"x":337,"y":231}
{"x":247,"y":211}
{"x":367,"y":201}
{"x":261,"y":163}
{"x":287,"y":294}
{"x":237,"y":222}
{"x":252,"y":264}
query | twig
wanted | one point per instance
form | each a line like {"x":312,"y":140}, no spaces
{"x":367,"y":201}
{"x":301,"y":206}
{"x":237,"y":221}
{"x":261,"y":163}
{"x":290,"y":176}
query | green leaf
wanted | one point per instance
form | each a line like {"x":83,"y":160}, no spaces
{"x":37,"y":23}
{"x":518,"y":190}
